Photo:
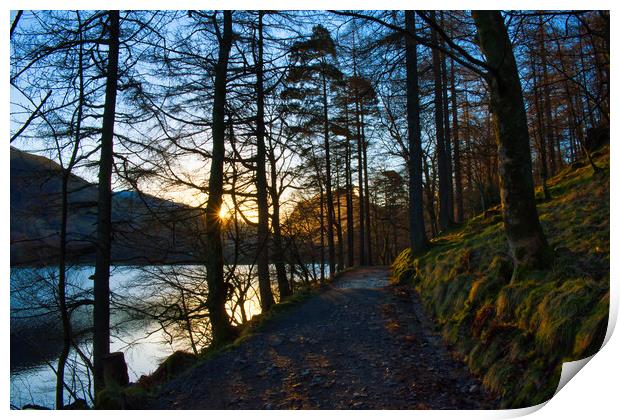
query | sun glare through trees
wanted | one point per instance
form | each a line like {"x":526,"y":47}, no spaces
{"x":297,"y":209}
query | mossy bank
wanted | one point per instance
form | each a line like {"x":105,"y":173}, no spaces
{"x":515,"y":335}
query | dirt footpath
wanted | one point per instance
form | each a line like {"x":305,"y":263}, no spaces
{"x":362,"y":344}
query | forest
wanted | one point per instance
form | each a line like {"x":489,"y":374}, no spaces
{"x":226,"y":183}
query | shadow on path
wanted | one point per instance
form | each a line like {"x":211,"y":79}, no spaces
{"x":362,"y":344}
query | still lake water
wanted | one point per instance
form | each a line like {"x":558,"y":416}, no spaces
{"x":144,"y":341}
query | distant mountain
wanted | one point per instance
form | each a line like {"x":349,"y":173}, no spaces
{"x":146,"y":228}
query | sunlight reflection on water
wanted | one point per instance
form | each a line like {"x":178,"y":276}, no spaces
{"x":144,"y":343}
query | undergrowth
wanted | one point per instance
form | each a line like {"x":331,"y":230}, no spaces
{"x":515,"y":335}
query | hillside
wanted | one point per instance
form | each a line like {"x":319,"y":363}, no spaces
{"x":515,"y":336}
{"x":146,"y":228}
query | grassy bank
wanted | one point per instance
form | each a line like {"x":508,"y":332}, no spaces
{"x":515,"y":336}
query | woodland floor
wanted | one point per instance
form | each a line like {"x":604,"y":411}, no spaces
{"x":361,"y":344}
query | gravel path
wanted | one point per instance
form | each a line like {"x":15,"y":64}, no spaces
{"x":362,"y":344}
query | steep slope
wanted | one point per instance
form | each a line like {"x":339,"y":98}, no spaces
{"x":516,"y":335}
{"x":146,"y":228}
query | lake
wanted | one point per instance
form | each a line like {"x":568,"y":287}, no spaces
{"x":144,"y":300}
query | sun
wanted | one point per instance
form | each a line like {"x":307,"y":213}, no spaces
{"x":223,"y":213}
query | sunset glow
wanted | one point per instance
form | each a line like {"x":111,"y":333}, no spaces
{"x":223,"y":214}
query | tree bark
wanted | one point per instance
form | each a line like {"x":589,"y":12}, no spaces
{"x":349,"y":195}
{"x":550,"y":141}
{"x":278,"y":250}
{"x":339,"y":218}
{"x":542,"y":148}
{"x":101,"y":310}
{"x":458,"y":181}
{"x":442,"y":158}
{"x":262,"y":258}
{"x":447,"y":129}
{"x":366,"y":192}
{"x":331,"y":249}
{"x":527,"y":242}
{"x":214,"y":260}
{"x":417,"y":233}
{"x":360,"y":185}
{"x":322,"y":224}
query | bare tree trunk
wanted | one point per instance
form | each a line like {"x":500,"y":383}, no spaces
{"x":542,"y":148}
{"x":101,"y":311}
{"x":467,"y":144}
{"x":262,"y":258}
{"x":222,"y":330}
{"x":447,"y":129}
{"x":430,"y":199}
{"x":331,"y":249}
{"x":442,"y":158}
{"x":417,"y":233}
{"x":349,"y":195}
{"x":322,"y":215}
{"x":458,"y":181}
{"x":525,"y":236}
{"x":366,"y":193}
{"x":62,"y":265}
{"x":547,"y":101}
{"x":339,"y":218}
{"x":278,"y":250}
{"x":360,"y":183}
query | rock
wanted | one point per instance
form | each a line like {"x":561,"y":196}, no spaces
{"x":78,"y":404}
{"x":176,"y":363}
{"x":34,"y":407}
{"x":115,"y":369}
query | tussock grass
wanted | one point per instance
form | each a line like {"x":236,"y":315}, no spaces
{"x":515,"y":335}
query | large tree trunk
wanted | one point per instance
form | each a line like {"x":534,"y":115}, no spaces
{"x":429,"y":191}
{"x":322,"y":224}
{"x":467,"y":150}
{"x":458,"y":181}
{"x":339,"y":218}
{"x":349,"y":195}
{"x":331,"y":249}
{"x":62,"y":262}
{"x":525,"y":236}
{"x":214,"y":260}
{"x":417,"y":234}
{"x":442,"y":157}
{"x":447,"y":129}
{"x":262,"y":258}
{"x":101,"y":310}
{"x":366,"y":192}
{"x":360,"y":185}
